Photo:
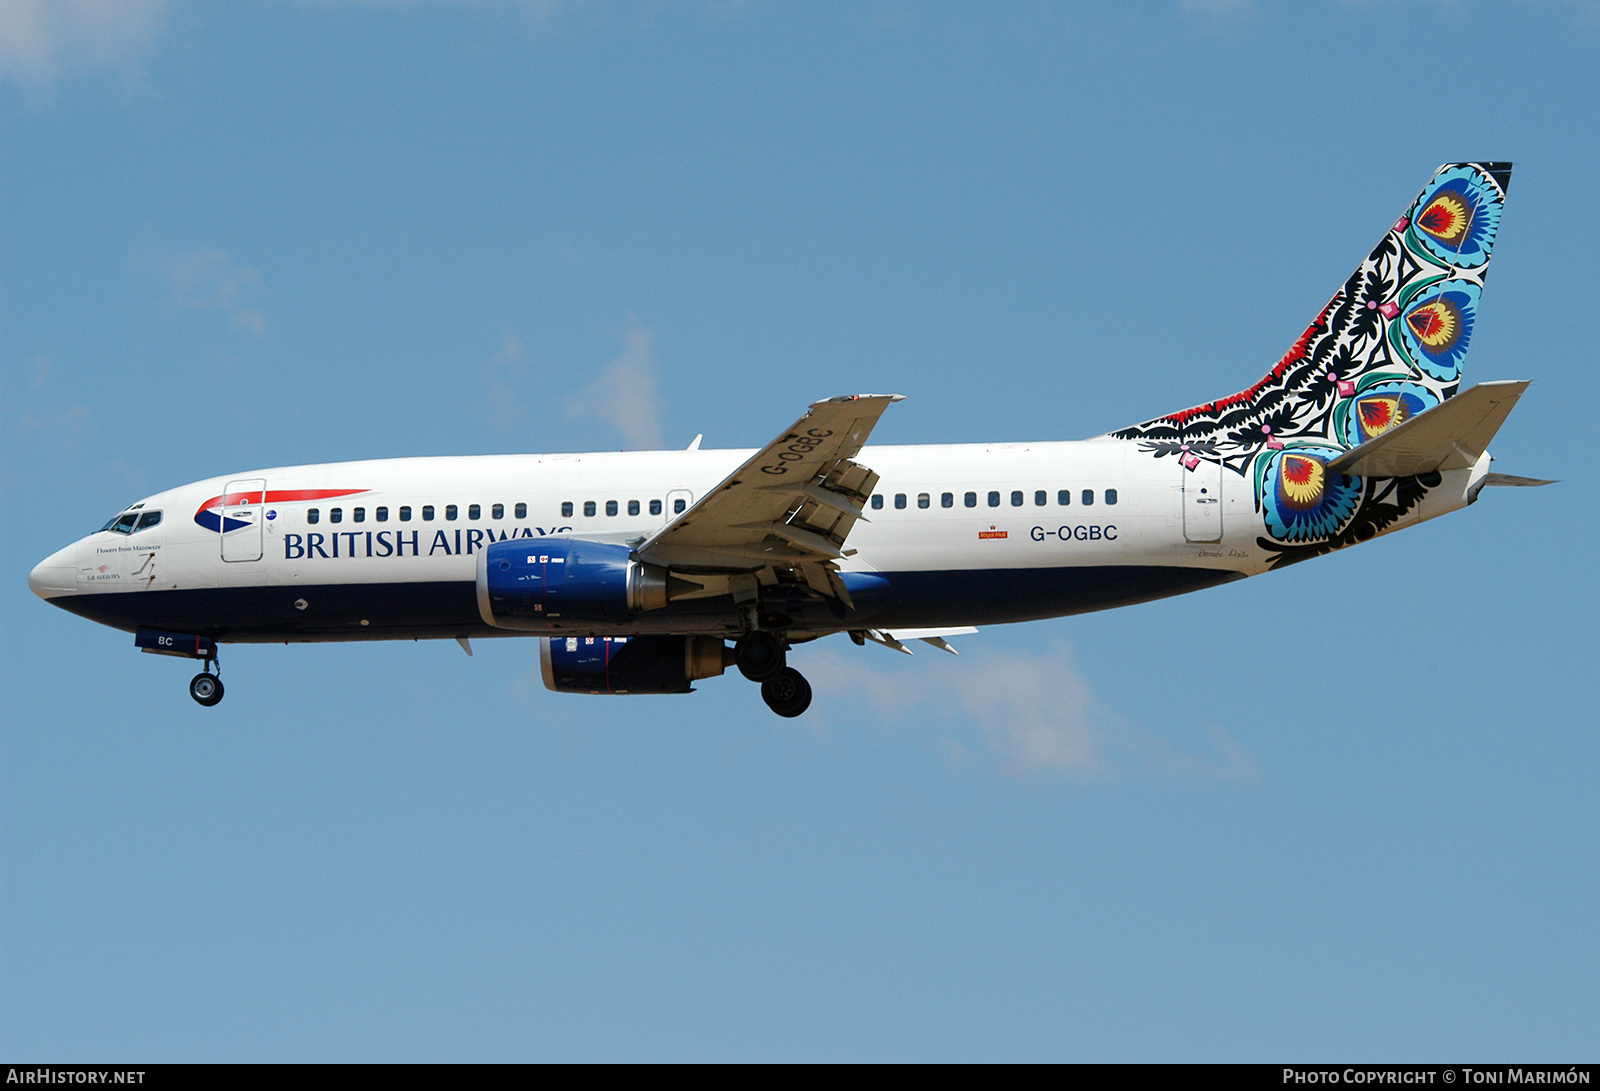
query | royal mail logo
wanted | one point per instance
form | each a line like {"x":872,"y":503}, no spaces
{"x":990,"y":533}
{"x":211,"y":515}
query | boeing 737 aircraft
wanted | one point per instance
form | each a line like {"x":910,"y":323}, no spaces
{"x":638,"y":570}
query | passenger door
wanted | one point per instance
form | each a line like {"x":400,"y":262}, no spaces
{"x":1202,"y":499}
{"x":242,"y":510}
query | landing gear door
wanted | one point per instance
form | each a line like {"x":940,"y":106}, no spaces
{"x":1202,"y":499}
{"x":243,"y":514}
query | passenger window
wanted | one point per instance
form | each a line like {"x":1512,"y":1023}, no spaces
{"x":521,"y":511}
{"x":474,"y":511}
{"x":655,"y":507}
{"x":970,"y":500}
{"x":588,"y":508}
{"x":1111,"y":496}
{"x":1041,"y":498}
{"x":497,"y":512}
{"x":678,"y":505}
{"x":450,"y":512}
{"x":148,"y":520}
{"x":994,"y":500}
{"x":611,"y":507}
{"x":313,"y":515}
{"x":335,"y":515}
{"x":1088,"y":497}
{"x":566,"y":509}
{"x":427,"y":513}
{"x":358,"y":515}
{"x":381,"y":515}
{"x":405,"y":513}
{"x":899,"y":499}
{"x":877,"y":501}
{"x":633,"y":507}
{"x":922,"y":499}
{"x":1016,"y":498}
{"x":947,"y":500}
{"x":1064,"y":497}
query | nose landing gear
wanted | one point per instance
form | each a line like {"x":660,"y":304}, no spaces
{"x":206,"y":689}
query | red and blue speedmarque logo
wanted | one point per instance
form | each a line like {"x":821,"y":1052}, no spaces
{"x":210,"y":515}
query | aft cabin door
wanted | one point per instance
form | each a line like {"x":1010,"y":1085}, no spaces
{"x":242,"y":510}
{"x":1202,"y":499}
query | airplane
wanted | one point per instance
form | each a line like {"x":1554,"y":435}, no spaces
{"x":644,"y":572}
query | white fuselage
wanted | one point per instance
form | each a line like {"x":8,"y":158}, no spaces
{"x":964,"y":533}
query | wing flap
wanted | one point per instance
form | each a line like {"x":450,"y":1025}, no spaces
{"x":1451,"y":436}
{"x":792,"y":504}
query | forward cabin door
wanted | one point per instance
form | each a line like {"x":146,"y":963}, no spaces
{"x":242,"y":511}
{"x":1202,"y":499}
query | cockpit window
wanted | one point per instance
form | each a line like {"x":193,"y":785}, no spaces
{"x":123,"y":523}
{"x":148,"y":520}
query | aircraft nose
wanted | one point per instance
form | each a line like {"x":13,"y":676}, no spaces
{"x":54,"y":576}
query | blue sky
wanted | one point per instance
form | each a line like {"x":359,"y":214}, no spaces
{"x":1346,"y":810}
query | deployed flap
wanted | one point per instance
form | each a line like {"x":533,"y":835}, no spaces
{"x":791,"y":505}
{"x":936,"y":637}
{"x":1450,"y":436}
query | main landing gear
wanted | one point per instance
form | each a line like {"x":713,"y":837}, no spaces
{"x":787,"y":693}
{"x":760,"y":657}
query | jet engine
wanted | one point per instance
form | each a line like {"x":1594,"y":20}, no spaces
{"x":640,"y":664}
{"x":543,"y":584}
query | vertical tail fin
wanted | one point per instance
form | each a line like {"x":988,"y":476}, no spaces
{"x":1387,"y":346}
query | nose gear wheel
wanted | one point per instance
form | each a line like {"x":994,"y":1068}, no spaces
{"x":206,"y":689}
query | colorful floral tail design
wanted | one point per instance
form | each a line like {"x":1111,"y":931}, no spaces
{"x":1387,"y":346}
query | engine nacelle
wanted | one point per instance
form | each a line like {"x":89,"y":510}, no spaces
{"x":639,"y":664}
{"x":531,"y":583}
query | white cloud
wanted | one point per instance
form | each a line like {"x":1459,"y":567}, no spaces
{"x":626,"y":393}
{"x":499,"y":376}
{"x":209,"y":280}
{"x":43,"y":40}
{"x":1035,"y":712}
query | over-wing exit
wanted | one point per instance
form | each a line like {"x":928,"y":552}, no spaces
{"x":645,"y":572}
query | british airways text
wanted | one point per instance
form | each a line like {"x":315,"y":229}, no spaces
{"x":401,"y":543}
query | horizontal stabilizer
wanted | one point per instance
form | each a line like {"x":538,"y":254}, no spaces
{"x":1513,"y":480}
{"x":1450,"y":436}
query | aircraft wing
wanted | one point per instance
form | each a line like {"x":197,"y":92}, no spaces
{"x":790,"y":506}
{"x":1450,"y":436}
